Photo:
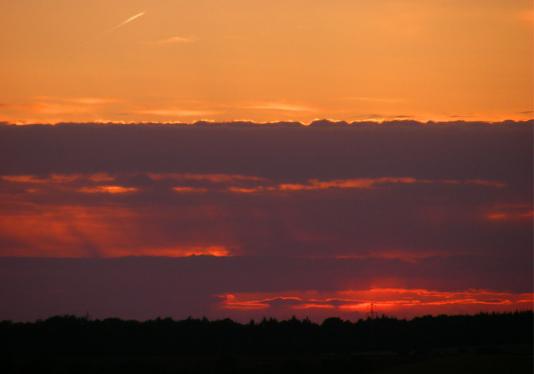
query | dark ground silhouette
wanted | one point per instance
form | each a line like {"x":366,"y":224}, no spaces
{"x":471,"y":344}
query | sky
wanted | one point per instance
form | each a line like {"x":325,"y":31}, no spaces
{"x":247,"y":221}
{"x":252,"y":159}
{"x":184,"y":61}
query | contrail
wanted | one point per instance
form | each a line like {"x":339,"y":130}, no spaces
{"x":125,"y":22}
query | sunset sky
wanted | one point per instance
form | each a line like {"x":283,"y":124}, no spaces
{"x":161,"y":60}
{"x":140,"y":218}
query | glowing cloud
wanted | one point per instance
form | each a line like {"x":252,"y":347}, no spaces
{"x":380,"y":100}
{"x":360,"y":183}
{"x":175,"y":112}
{"x":108,"y":189}
{"x":385,"y":300}
{"x":510,"y":216}
{"x":56,"y":178}
{"x":215,"y":251}
{"x":176,"y":251}
{"x":27,"y":179}
{"x":175,"y":40}
{"x":282,"y":107}
{"x":185,"y":189}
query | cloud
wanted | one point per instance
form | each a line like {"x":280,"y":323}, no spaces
{"x":234,"y":183}
{"x":370,"y":99}
{"x":187,"y":189}
{"x":175,"y":112}
{"x":48,"y":107}
{"x":62,"y":105}
{"x":349,"y":191}
{"x":110,"y":189}
{"x":280,"y":106}
{"x":392,"y":301}
{"x":212,"y":178}
{"x":175,"y":40}
{"x":127,"y":21}
{"x":87,"y":100}
{"x":510,"y":215}
{"x":177,"y":251}
{"x":444,"y":208}
{"x":338,"y":218}
{"x":91,"y":100}
{"x":363,"y":183}
{"x":57,"y":178}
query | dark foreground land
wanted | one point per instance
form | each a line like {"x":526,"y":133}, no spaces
{"x":485,"y":343}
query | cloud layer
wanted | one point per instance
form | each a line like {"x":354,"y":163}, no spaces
{"x":279,"y":210}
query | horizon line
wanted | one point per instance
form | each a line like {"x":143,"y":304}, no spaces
{"x":378,"y":316}
{"x":313,"y":123}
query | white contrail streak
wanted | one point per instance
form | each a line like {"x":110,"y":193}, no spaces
{"x":125,"y":22}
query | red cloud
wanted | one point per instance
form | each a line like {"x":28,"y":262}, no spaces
{"x":111,"y":189}
{"x":361,"y":183}
{"x":391,"y":301}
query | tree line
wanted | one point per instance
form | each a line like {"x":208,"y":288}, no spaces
{"x":82,"y":335}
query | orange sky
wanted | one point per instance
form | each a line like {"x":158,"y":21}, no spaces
{"x":140,"y":60}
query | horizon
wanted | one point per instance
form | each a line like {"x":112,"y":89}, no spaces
{"x":317,"y":121}
{"x":253,"y":321}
